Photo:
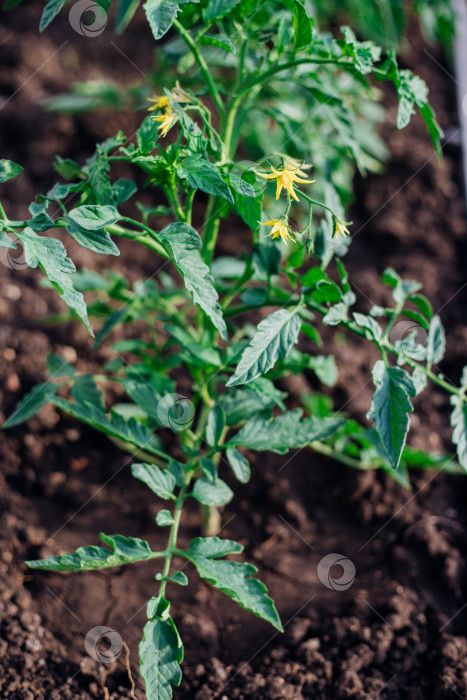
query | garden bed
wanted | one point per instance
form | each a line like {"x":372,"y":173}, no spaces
{"x":399,"y":630}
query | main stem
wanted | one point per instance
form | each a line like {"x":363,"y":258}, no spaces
{"x":172,"y":544}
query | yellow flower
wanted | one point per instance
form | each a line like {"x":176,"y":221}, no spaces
{"x":285,"y":178}
{"x":279,"y":230}
{"x":168,"y":119}
{"x":341,"y":229}
{"x":293,"y":164}
{"x":178,"y":95}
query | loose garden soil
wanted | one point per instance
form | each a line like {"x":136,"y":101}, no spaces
{"x":399,"y":630}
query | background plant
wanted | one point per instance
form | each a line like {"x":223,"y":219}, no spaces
{"x":184,"y":444}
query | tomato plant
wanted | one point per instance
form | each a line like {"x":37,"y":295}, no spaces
{"x":265,"y":82}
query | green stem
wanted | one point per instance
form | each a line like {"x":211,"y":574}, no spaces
{"x":147,"y":240}
{"x":172,"y":544}
{"x":202,"y":65}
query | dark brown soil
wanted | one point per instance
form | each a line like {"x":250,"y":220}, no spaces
{"x":399,"y":630}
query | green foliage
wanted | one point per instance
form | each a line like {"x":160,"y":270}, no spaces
{"x":198,"y":355}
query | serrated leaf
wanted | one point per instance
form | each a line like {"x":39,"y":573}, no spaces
{"x":215,"y":425}
{"x":161,"y":482}
{"x":459,"y":424}
{"x":235,"y":580}
{"x":9,"y":170}
{"x":241,"y":403}
{"x":184,"y":243}
{"x":50,"y":255}
{"x":212,"y":493}
{"x":249,"y":208}
{"x":436,"y":342}
{"x":85,"y":390}
{"x":51,"y":10}
{"x":239,"y":463}
{"x":220,"y":40}
{"x":216,"y":9}
{"x":364,"y":53}
{"x":58,"y":367}
{"x":31,"y":404}
{"x":213,"y":547}
{"x":94,"y":217}
{"x":423,"y":305}
{"x":203,"y":175}
{"x":98,"y":241}
{"x":124,"y":550}
{"x":324,"y":366}
{"x":131,"y":430}
{"x":390,"y":407}
{"x":274,"y":338}
{"x":371,"y":327}
{"x":160,"y":14}
{"x":283,"y":433}
{"x":160,"y":653}
{"x":303,"y":26}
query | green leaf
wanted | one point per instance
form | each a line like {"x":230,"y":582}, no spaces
{"x":390,"y":408}
{"x":241,"y":403}
{"x":58,"y":367}
{"x":94,"y":217}
{"x":220,"y":40}
{"x":213,"y":547}
{"x":215,"y":425}
{"x":84,"y":390}
{"x":5,"y":241}
{"x":51,"y":10}
{"x":274,"y":338}
{"x":217,"y":9}
{"x":160,"y":14}
{"x":235,"y":580}
{"x":125,"y":11}
{"x":364,"y":53}
{"x":184,"y":243}
{"x":239,"y":464}
{"x":371,"y":327}
{"x":212,"y":493}
{"x":131,"y":430}
{"x":283,"y":433}
{"x":303,"y":26}
{"x":50,"y":255}
{"x":203,"y":175}
{"x":325,"y":368}
{"x":422,"y":304}
{"x":249,"y":208}
{"x":160,"y":482}
{"x":97,"y":241}
{"x":31,"y":404}
{"x":436,"y":342}
{"x":124,"y":550}
{"x":459,"y":424}
{"x":160,"y":653}
{"x":9,"y":170}
{"x":164,"y":518}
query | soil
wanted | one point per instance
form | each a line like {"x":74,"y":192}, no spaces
{"x":399,"y":630}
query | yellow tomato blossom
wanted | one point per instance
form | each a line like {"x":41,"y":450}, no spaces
{"x":169,"y":117}
{"x":279,"y":230}
{"x":341,"y":229}
{"x":286,"y":178}
{"x":293,"y":164}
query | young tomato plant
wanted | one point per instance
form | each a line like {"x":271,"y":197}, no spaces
{"x":237,"y":61}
